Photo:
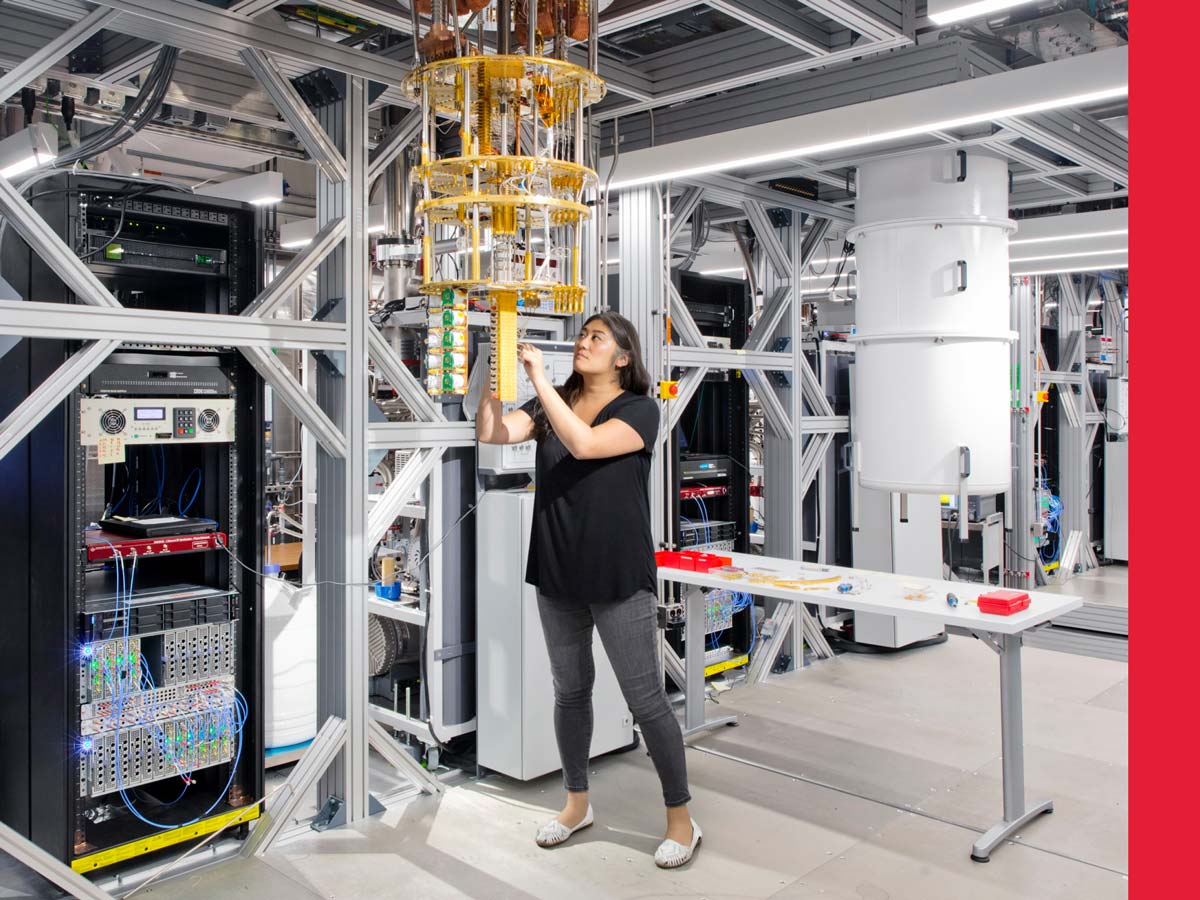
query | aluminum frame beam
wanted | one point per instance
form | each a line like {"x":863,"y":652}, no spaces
{"x":398,"y":376}
{"x":776,"y":415}
{"x":715,"y":358}
{"x":34,"y":857}
{"x":17,"y":425}
{"x":29,"y":69}
{"x":778,"y":18}
{"x":854,"y":17}
{"x":397,"y":494}
{"x":280,"y":290}
{"x":74,"y":322}
{"x":393,"y":144}
{"x":748,"y":77}
{"x":304,"y":124}
{"x":735,"y":191}
{"x":306,"y":409}
{"x":420,"y":435}
{"x":46,"y":243}
{"x":642,"y":14}
{"x":765,"y":232}
{"x":682,"y":322}
{"x":196,"y":26}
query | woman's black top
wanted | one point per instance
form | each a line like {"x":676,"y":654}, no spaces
{"x":591,"y":540}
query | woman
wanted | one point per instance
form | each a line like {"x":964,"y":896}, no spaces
{"x":591,"y":557}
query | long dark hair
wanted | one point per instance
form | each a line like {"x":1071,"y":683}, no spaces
{"x":632,"y":376}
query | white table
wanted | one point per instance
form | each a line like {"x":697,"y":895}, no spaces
{"x":884,"y":594}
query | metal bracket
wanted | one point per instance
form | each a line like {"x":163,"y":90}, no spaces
{"x":333,"y":813}
{"x":454,"y":652}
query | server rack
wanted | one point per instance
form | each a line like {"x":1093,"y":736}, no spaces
{"x":75,"y":685}
{"x":710,"y":496}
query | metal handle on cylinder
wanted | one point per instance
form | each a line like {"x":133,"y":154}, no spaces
{"x":855,"y":449}
{"x":964,"y":472}
{"x":962,"y":275}
{"x":962,"y":165}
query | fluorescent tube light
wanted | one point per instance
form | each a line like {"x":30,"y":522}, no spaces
{"x":259,"y":189}
{"x":946,"y":12}
{"x":1069,"y":237}
{"x":32,"y":146}
{"x":1099,"y":267}
{"x":748,"y":162}
{"x":297,"y":234}
{"x":1025,"y":259}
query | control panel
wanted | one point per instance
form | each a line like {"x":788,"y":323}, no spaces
{"x":558,"y":359}
{"x":156,"y":420}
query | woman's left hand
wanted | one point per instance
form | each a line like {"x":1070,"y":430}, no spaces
{"x":531,"y":358}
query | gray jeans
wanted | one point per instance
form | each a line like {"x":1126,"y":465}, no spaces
{"x":629,"y":631}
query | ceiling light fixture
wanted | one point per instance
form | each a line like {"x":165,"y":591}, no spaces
{"x":1069,"y":237}
{"x":1099,"y":267}
{"x":867,"y":138}
{"x":32,"y":146}
{"x":297,"y":234}
{"x":259,"y":189}
{"x":1025,"y":259}
{"x":946,"y":12}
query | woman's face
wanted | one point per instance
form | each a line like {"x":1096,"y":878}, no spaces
{"x":596,"y":351}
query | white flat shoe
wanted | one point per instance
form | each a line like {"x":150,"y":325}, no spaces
{"x":672,"y":854}
{"x":555,"y":832}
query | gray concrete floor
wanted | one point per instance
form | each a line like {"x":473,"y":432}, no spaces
{"x":1106,"y":586}
{"x":885,"y":771}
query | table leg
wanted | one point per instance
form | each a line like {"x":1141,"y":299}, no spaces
{"x":1012,"y":741}
{"x":694,"y":698}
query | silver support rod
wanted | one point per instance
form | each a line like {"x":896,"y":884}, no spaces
{"x":45,"y":242}
{"x":298,"y":400}
{"x":800,"y":364}
{"x":357,"y":261}
{"x":531,"y":38}
{"x":385,"y":745}
{"x":399,"y":492}
{"x":40,"y":60}
{"x":688,"y":385}
{"x":295,"y":112}
{"x":398,"y":376}
{"x":46,"y":396}
{"x":65,"y":321}
{"x":773,"y":409}
{"x":772,"y":314}
{"x":681,"y":212}
{"x":420,"y":435}
{"x":317,"y":757}
{"x":35,"y":858}
{"x":280,"y":290}
{"x":682,"y":320}
{"x":393,"y":145}
{"x":777,"y":254}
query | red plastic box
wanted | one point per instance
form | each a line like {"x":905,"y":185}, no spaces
{"x":690,"y":561}
{"x":1002,"y":602}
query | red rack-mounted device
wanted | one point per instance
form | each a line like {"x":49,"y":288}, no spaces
{"x":101,"y":544}
{"x":688,"y":493}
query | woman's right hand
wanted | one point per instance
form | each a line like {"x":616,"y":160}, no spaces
{"x":531,"y":358}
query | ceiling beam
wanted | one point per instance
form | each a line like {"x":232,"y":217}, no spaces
{"x":627,"y":15}
{"x":780,"y":19}
{"x":191,"y":25}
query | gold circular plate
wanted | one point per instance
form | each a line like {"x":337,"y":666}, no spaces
{"x":511,"y":73}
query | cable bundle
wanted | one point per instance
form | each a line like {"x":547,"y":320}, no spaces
{"x":224,"y":718}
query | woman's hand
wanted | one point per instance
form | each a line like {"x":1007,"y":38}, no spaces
{"x":531,"y":358}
